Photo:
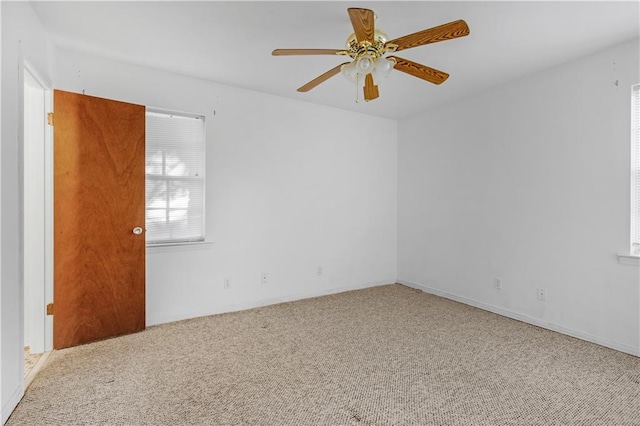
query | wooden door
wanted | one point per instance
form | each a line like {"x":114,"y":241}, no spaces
{"x":99,"y":198}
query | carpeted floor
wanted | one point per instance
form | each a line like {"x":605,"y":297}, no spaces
{"x":382,"y":356}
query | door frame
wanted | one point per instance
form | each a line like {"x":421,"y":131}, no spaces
{"x":45,"y":333}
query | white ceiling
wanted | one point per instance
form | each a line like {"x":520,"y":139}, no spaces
{"x":231,"y":42}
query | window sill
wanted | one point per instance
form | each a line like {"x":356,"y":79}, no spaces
{"x":171,"y":247}
{"x":629,"y":259}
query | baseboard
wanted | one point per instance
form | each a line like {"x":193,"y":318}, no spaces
{"x":631,"y":350}
{"x":36,"y":369}
{"x":236,"y":307}
{"x":12,"y":403}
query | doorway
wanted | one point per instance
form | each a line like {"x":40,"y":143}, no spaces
{"x":36,"y":220}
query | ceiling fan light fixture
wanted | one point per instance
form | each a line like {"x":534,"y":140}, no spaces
{"x":367,"y":47}
{"x":379,"y":68}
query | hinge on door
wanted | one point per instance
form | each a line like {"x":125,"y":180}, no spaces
{"x":50,"y":309}
{"x":50,"y":118}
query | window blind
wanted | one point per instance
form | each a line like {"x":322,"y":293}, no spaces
{"x":635,"y":169}
{"x":175,"y":171}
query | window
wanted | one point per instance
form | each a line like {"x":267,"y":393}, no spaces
{"x":635,"y":170}
{"x":174,"y":177}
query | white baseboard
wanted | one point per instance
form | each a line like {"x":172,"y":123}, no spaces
{"x":36,"y":369}
{"x":622,"y":347}
{"x":262,"y":302}
{"x":12,"y":403}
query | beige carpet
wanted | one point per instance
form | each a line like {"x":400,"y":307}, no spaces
{"x":382,"y":356}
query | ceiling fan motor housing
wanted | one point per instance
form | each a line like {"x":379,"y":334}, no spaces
{"x":365,"y":48}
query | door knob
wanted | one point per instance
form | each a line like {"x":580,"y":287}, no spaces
{"x":138,"y":230}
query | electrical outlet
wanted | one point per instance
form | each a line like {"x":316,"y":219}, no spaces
{"x":227,"y":283}
{"x":542,"y":294}
{"x":497,"y":283}
{"x":319,"y":271}
{"x":264,"y":278}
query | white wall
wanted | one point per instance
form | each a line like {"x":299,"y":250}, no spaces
{"x":35,"y":128}
{"x":291,"y":187}
{"x":528,"y":182}
{"x":22,"y":38}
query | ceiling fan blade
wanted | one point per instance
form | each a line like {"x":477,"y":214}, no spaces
{"x":321,"y":78}
{"x":285,"y":52}
{"x":443,"y":32}
{"x":363,"y":23}
{"x":370,"y":90}
{"x":424,"y":72}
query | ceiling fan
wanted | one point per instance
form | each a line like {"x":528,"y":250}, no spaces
{"x":367,"y":47}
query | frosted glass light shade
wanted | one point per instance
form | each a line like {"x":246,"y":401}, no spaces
{"x":382,"y":68}
{"x":379,"y":68}
{"x":364,"y":65}
{"x":350,"y":72}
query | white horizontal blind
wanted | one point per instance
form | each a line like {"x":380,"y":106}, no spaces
{"x":174,"y":177}
{"x":635,"y":169}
